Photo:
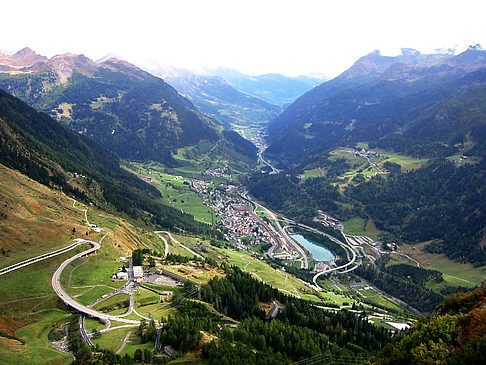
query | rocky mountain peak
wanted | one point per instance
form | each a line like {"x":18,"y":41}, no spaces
{"x":26,"y":57}
{"x":65,"y":64}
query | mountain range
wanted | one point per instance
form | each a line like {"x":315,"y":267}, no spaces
{"x":217,"y":98}
{"x":423,"y":105}
{"x":127,"y":110}
{"x":274,"y":88}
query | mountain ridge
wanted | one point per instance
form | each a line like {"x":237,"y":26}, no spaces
{"x":215,"y":97}
{"x":48,"y":152}
{"x":274,"y":88}
{"x":129,"y":111}
{"x":373,"y":102}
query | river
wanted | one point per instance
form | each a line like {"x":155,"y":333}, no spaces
{"x":319,"y":252}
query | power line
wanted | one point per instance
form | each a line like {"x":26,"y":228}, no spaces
{"x":329,"y":359}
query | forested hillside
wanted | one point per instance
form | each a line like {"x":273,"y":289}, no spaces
{"x":456,"y":334}
{"x":300,"y":200}
{"x":38,"y":146}
{"x":125,"y":109}
{"x":439,"y":202}
{"x":300,"y":330}
{"x":425,"y":105}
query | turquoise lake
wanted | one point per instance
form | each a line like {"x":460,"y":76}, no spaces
{"x":318,"y":252}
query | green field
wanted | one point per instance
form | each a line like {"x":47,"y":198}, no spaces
{"x":312,"y":173}
{"x":358,"y":166}
{"x":358,"y":226}
{"x":112,"y":340}
{"x":115,"y":300}
{"x":102,"y":221}
{"x":274,"y":277}
{"x":92,"y":323}
{"x":156,"y":311}
{"x":133,"y":344}
{"x":176,"y":249}
{"x":407,"y":162}
{"x":93,"y":294}
{"x":355,"y":226}
{"x":174,"y":192}
{"x":97,"y":270}
{"x":144,"y":296}
{"x":454,"y":273}
{"x":382,"y":301}
{"x":37,"y":348}
{"x":28,"y":299}
{"x":367,"y":293}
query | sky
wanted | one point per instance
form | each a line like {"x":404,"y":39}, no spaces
{"x":255,"y":37}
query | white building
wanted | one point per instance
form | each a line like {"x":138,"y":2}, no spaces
{"x":138,"y":273}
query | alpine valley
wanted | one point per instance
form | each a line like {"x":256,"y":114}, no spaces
{"x":158,"y":215}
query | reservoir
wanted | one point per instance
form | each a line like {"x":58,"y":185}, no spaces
{"x":318,"y":252}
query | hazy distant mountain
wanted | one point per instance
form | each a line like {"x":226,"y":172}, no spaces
{"x":126,"y":109}
{"x":413,"y":103}
{"x":22,"y":61}
{"x":216,"y":98}
{"x":273,"y":88}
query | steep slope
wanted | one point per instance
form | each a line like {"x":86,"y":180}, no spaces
{"x":275,"y":89}
{"x":383,"y":97}
{"x":216,"y":98}
{"x":127,"y":110}
{"x":23,"y":60}
{"x":454,"y":335}
{"x":36,"y":145}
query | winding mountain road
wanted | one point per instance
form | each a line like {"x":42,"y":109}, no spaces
{"x":180,"y":244}
{"x":166,"y":244}
{"x":61,"y":293}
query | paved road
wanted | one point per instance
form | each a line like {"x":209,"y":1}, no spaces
{"x":84,"y":333}
{"x":41,"y":257}
{"x":166,"y":244}
{"x":334,"y":239}
{"x":185,"y":247}
{"x":346,"y":247}
{"x":56,"y":285}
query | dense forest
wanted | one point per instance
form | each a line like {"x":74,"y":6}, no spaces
{"x":406,"y":283}
{"x":439,"y":201}
{"x":299,"y":331}
{"x":36,"y":145}
{"x":300,"y":200}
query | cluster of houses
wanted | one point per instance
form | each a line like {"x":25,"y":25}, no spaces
{"x":362,"y":153}
{"x":218,"y":172}
{"x":238,"y":220}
